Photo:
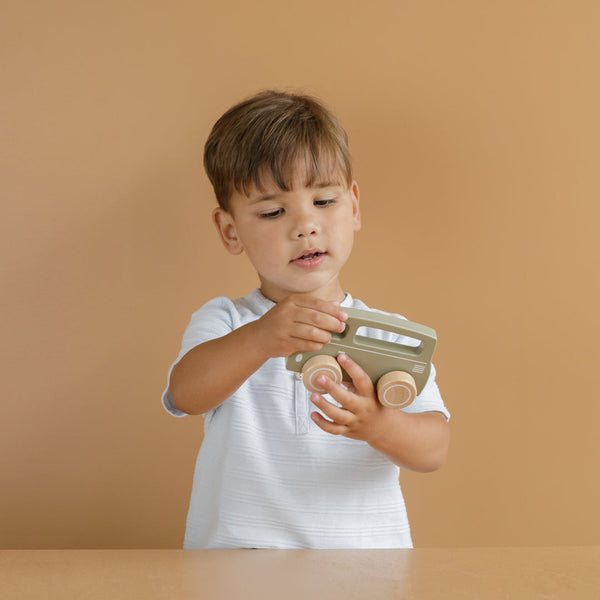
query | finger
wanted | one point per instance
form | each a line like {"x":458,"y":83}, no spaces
{"x":336,"y":414}
{"x":327,"y":426}
{"x":324,"y":307}
{"x":322,"y":320}
{"x":310,"y":333}
{"x":301,"y":345}
{"x":361,"y":381}
{"x":337,"y":392}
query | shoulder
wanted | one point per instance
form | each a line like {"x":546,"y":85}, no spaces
{"x":235,"y":312}
{"x":220,"y":310}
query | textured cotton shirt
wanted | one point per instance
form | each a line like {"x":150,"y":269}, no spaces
{"x":267,"y":476}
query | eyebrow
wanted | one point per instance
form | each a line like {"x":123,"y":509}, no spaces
{"x":317,"y":185}
{"x":326,"y":184}
{"x":264,"y":198}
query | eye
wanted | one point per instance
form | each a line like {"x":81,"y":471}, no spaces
{"x":325,"y":202}
{"x":271,"y":214}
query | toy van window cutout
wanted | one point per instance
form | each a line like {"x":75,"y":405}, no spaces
{"x":399,"y":369}
{"x":365,"y":335}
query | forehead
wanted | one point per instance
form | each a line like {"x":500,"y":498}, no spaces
{"x":301,"y":175}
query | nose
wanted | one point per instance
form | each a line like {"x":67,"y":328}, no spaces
{"x":305,"y":225}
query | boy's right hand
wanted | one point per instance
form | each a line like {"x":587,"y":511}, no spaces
{"x":299,"y":323}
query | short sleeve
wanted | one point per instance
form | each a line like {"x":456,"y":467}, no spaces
{"x":213,"y":320}
{"x":429,"y":399}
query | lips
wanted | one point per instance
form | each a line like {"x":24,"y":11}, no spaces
{"x":309,"y":259}
{"x":309,"y":255}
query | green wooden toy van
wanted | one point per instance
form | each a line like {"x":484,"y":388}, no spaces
{"x":399,"y":370}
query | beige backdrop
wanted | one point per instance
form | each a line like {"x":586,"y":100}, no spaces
{"x":474,"y":127}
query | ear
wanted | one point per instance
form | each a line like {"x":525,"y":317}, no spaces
{"x":225,"y":225}
{"x":355,"y":195}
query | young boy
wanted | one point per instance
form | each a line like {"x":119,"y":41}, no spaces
{"x":279,"y":467}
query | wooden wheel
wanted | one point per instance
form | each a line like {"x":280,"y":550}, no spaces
{"x":396,"y":389}
{"x":320,"y":365}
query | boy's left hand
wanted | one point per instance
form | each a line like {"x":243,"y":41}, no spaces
{"x":360,"y":414}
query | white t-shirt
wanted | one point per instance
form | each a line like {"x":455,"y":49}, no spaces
{"x":267,"y":477}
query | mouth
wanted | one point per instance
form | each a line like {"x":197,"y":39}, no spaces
{"x":309,"y":255}
{"x":309,"y":259}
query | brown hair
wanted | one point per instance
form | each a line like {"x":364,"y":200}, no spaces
{"x":274,"y":132}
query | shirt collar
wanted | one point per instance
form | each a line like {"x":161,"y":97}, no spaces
{"x":257,"y":296}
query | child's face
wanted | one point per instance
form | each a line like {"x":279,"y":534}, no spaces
{"x":297,"y":241}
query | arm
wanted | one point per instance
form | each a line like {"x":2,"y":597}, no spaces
{"x":415,"y":441}
{"x":209,"y":373}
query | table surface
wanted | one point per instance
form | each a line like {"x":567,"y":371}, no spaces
{"x":466,"y":573}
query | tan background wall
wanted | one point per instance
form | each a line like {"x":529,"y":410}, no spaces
{"x":475,"y":129}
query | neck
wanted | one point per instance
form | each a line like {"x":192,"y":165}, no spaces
{"x":331,"y":293}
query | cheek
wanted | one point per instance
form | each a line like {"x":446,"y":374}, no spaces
{"x":263,"y":250}
{"x":344,"y":232}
